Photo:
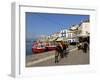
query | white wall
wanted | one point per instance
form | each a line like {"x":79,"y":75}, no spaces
{"x":85,"y":28}
{"x":62,"y":31}
{"x":5,"y":39}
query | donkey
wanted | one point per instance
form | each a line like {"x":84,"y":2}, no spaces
{"x":60,"y":51}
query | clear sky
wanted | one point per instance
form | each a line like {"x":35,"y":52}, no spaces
{"x":46,"y":23}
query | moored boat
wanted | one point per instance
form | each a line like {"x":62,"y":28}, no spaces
{"x":38,"y":47}
{"x":51,"y":46}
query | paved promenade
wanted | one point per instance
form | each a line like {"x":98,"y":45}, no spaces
{"x":75,"y":57}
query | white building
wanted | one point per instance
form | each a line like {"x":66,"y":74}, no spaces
{"x":63,"y":33}
{"x":84,"y":29}
{"x":53,"y":36}
{"x":72,"y":37}
{"x":72,"y":34}
{"x":69,"y":35}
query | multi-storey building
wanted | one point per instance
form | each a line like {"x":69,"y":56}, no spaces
{"x":72,"y":34}
{"x":84,"y":30}
{"x":63,"y":33}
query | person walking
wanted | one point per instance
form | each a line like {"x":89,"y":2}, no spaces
{"x":85,"y":47}
{"x":65,"y":49}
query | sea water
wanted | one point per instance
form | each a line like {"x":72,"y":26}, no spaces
{"x":29,"y":46}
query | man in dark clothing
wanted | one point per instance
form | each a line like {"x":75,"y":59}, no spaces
{"x":85,"y":47}
{"x":65,"y":52}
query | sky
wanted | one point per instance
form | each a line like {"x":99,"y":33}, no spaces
{"x":38,"y":24}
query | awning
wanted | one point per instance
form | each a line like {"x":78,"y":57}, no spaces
{"x":59,"y":39}
{"x":53,"y":39}
{"x":83,"y":35}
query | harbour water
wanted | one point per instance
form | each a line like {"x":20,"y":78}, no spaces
{"x":29,"y":46}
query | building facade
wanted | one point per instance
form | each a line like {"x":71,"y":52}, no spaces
{"x":72,"y":34}
{"x":84,"y":29}
{"x":63,"y":33}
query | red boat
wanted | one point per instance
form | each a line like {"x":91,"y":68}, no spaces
{"x":50,"y":46}
{"x":38,"y":47}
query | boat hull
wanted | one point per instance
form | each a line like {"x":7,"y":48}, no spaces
{"x":36,"y":50}
{"x":51,"y":48}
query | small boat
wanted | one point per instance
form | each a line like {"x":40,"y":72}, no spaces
{"x":51,"y":47}
{"x":38,"y":48}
